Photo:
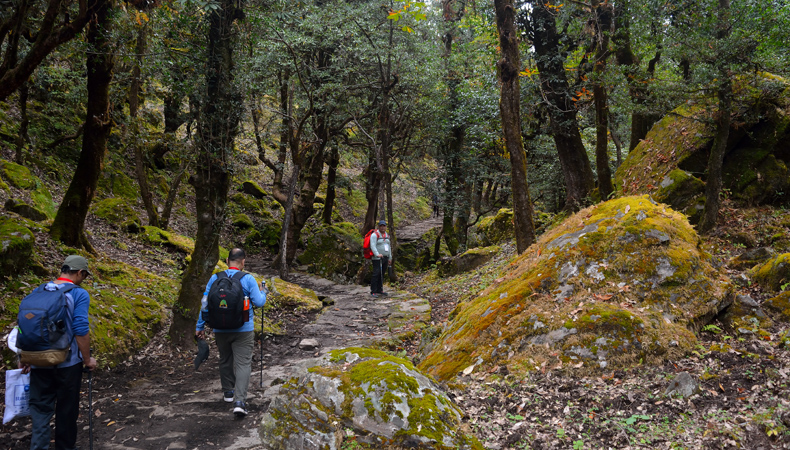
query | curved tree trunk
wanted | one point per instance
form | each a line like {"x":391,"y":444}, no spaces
{"x":576,"y":170}
{"x":69,"y":224}
{"x":331,"y":179}
{"x":510,"y":109}
{"x":716,"y":160}
{"x":218,"y":126}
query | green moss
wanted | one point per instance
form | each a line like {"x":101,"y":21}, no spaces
{"x":118,"y":184}
{"x":157,"y":236}
{"x":566,"y":291}
{"x":18,"y":176}
{"x":333,"y":250}
{"x":780,"y":305}
{"x":357,"y":202}
{"x":16,"y":246}
{"x":496,"y":229}
{"x":773,"y":273}
{"x":242,"y":221}
{"x":293,"y":297}
{"x":116,"y":211}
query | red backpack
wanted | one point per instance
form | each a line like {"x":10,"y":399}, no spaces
{"x":366,"y":251}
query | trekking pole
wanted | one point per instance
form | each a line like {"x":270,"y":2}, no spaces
{"x":263,"y":317}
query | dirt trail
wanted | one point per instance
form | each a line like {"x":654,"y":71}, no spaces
{"x":157,"y":401}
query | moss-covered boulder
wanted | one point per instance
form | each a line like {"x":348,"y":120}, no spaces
{"x":366,"y":399}
{"x":618,"y":283}
{"x":25,"y":210}
{"x":242,"y":221}
{"x":774,"y":273}
{"x":157,"y":236}
{"x":21,"y":177}
{"x":495,"y":229}
{"x":470,"y":259}
{"x":671,"y":162}
{"x":751,"y":258}
{"x":418,"y":254}
{"x":745,"y":316}
{"x":16,"y":246}
{"x":333,"y":251}
{"x":18,"y":176}
{"x":779,"y":305}
{"x":293,"y":297}
{"x":118,"y":212}
{"x":115,"y":183}
{"x":252,"y":188}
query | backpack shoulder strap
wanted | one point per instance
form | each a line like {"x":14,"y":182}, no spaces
{"x":67,"y":288}
{"x":221,"y":274}
{"x":239,"y":275}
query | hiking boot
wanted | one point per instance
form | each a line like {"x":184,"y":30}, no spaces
{"x":239,"y":409}
{"x":373,"y":294}
{"x":228,"y":396}
{"x":383,"y":293}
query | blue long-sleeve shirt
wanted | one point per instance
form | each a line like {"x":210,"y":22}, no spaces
{"x":251,"y":290}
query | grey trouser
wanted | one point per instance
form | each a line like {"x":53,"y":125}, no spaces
{"x":235,"y":361}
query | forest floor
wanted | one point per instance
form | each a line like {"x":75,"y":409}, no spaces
{"x":156,"y":400}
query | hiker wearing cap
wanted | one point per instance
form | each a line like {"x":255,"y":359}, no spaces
{"x":380,"y":245}
{"x":55,"y":390}
{"x":235,"y":345}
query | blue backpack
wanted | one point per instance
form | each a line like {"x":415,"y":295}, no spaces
{"x":43,"y":325}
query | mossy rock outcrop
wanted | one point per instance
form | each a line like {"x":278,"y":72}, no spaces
{"x":618,"y":283}
{"x":252,"y":188}
{"x":419,"y":254}
{"x":242,"y":221}
{"x":745,"y":316}
{"x":333,"y":251}
{"x":16,"y":246}
{"x":495,"y":229}
{"x":158,"y":236}
{"x":25,"y":210}
{"x":774,"y":273}
{"x":470,"y":259}
{"x":293,"y":297}
{"x":751,"y":258}
{"x":21,"y":177}
{"x":117,"y":212}
{"x":671,"y":162}
{"x":779,"y":305}
{"x":127,"y":308}
{"x":365,"y":398}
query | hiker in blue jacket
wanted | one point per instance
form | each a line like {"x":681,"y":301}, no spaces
{"x":380,"y":246}
{"x":236,"y":345}
{"x":56,"y":390}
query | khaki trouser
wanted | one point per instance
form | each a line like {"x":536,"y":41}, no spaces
{"x":235,"y":361}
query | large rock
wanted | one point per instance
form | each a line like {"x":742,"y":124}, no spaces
{"x":333,"y":251}
{"x":779,"y":305}
{"x":671,"y":161}
{"x":118,"y":213}
{"x":25,"y":210}
{"x":495,"y":229}
{"x":16,"y":246}
{"x":252,"y":188}
{"x":618,"y":283}
{"x":365,"y":395}
{"x":774,"y":273}
{"x":22,"y":178}
{"x":469,"y":260}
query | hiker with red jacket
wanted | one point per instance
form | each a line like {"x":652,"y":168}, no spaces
{"x":227,"y":310}
{"x":380,"y":246}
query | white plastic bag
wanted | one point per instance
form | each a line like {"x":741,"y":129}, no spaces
{"x":17,"y":395}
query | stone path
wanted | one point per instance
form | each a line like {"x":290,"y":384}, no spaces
{"x":165,"y":404}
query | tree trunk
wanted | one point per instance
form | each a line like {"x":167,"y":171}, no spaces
{"x":218,"y":126}
{"x":69,"y":224}
{"x":134,"y":105}
{"x":716,"y":160}
{"x":331,"y":179}
{"x":510,"y":110}
{"x":280,"y":262}
{"x":22,"y":138}
{"x":576,"y":170}
{"x":603,"y":14}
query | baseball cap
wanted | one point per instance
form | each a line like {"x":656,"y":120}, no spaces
{"x":76,"y":262}
{"x":382,"y":222}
